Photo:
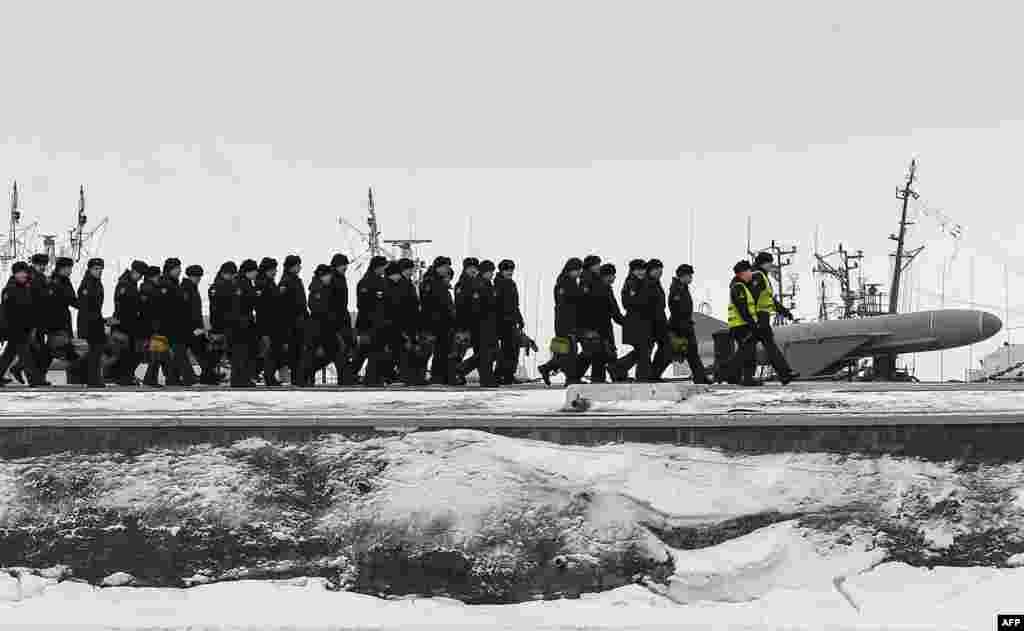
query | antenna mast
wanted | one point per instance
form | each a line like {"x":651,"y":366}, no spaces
{"x":78,"y":232}
{"x":374,"y":236}
{"x":12,"y":235}
{"x":900,"y":256}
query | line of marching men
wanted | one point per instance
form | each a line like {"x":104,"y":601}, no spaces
{"x":263,"y":324}
{"x":401,"y":331}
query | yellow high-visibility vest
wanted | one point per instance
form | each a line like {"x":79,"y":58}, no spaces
{"x":735,"y":319}
{"x":766,"y":299}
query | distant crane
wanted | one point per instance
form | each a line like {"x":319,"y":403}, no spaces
{"x":374,"y":242}
{"x":19,"y":239}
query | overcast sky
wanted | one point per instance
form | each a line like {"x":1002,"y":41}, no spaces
{"x":214,"y":131}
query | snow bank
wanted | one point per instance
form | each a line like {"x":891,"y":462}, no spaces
{"x":757,"y":540}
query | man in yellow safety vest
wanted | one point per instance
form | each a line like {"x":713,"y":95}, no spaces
{"x":742,"y":324}
{"x":767,"y":306}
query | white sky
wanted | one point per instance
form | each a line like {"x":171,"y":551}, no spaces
{"x":214,"y":131}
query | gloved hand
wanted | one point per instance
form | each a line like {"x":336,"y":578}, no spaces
{"x":786,"y":313}
{"x":198,"y":333}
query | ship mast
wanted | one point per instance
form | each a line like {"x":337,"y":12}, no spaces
{"x":79,"y":229}
{"x":901,"y":255}
{"x":373,"y":238}
{"x":12,"y":235}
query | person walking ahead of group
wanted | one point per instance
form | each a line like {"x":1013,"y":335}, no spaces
{"x":767,"y":305}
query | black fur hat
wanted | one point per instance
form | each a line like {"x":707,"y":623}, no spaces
{"x":248,"y":265}
{"x":140,"y":267}
{"x":228,"y":267}
{"x":339,"y":259}
{"x":268,"y":264}
{"x":291,"y":261}
{"x":194,"y":270}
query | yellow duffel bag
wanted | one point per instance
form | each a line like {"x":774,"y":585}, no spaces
{"x":560,"y":345}
{"x":159,"y":344}
{"x":678,"y":344}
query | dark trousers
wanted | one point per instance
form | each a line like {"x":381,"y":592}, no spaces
{"x":597,"y":356}
{"x":94,"y":362}
{"x":127,"y":362}
{"x":402,"y":363}
{"x":766,"y":337}
{"x":693,"y":357}
{"x":662,"y":357}
{"x":197,"y":344}
{"x":440,"y":370}
{"x":294,"y":356}
{"x":22,"y":349}
{"x":157,"y":363}
{"x":377,"y":357}
{"x":273,"y":357}
{"x":568,"y":363}
{"x":482,"y":361}
{"x":508,"y":353}
{"x":323,"y":349}
{"x":241,"y":347}
{"x":181,"y":366}
{"x":743,"y":365}
{"x":640,"y":357}
{"x":343,"y":357}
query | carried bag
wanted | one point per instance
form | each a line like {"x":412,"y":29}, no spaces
{"x":679,"y":345}
{"x":158,"y":344}
{"x":560,"y":345}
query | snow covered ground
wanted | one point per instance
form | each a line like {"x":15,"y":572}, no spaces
{"x":795,"y":398}
{"x":778,"y":584}
{"x":781,"y":541}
